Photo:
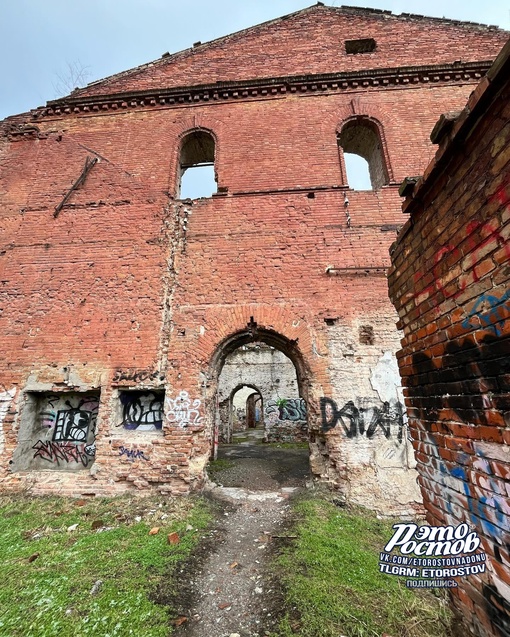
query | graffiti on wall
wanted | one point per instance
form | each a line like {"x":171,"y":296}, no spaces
{"x":66,"y":452}
{"x":364,"y":421}
{"x":67,"y":429}
{"x":471,"y":487}
{"x":472,"y":484}
{"x":134,"y":376}
{"x":474,"y":249}
{"x":490,"y":312}
{"x":183,"y":411}
{"x":286,"y":420}
{"x":142,"y":410}
{"x":291,"y":409}
{"x":5,"y":402}
{"x":132,"y":454}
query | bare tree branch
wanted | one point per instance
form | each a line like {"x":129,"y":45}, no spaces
{"x":72,"y":77}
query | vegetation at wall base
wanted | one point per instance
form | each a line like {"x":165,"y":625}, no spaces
{"x":333,"y":586}
{"x":74,"y":567}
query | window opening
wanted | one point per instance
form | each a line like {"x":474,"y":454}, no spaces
{"x":365,"y":45}
{"x":57,"y":432}
{"x":197,"y":175}
{"x":363,"y":156}
{"x":358,"y":172}
{"x":141,"y":410}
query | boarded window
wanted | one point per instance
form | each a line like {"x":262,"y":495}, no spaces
{"x":57,"y":431}
{"x":141,"y":410}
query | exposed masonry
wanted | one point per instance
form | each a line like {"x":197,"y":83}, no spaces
{"x":136,"y":300}
{"x":450,"y":285}
{"x":377,"y":14}
{"x":382,"y":78}
{"x":273,"y":376}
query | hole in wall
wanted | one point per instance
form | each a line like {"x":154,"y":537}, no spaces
{"x":366,"y":335}
{"x":141,"y":410}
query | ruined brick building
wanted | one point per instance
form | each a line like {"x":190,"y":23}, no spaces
{"x":450,"y":283}
{"x":121,"y":301}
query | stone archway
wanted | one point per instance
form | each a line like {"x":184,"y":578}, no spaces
{"x":237,"y":410}
{"x":272,"y":371}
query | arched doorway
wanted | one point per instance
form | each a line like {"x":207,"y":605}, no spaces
{"x":260,"y":399}
{"x":242,"y":409}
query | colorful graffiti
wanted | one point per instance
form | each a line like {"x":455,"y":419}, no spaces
{"x":142,"y":410}
{"x":293,"y":409}
{"x":489,"y":312}
{"x":471,"y":488}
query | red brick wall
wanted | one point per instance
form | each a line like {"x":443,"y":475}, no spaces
{"x":128,"y":288}
{"x":313,"y":42}
{"x":450,"y":285}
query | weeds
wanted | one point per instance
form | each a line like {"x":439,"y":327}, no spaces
{"x":74,"y":568}
{"x":333,"y":584}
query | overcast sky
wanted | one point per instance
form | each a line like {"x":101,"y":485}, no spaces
{"x":40,"y":38}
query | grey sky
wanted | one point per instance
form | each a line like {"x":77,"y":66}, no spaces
{"x":39,"y":38}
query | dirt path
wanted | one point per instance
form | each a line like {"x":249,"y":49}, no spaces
{"x":233,"y":594}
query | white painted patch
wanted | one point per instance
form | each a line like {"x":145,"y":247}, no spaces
{"x":5,"y":402}
{"x":388,"y":455}
{"x":385,"y":379}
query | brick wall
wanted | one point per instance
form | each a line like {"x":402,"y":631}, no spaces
{"x":450,"y":285}
{"x":312,"y":41}
{"x":128,"y":289}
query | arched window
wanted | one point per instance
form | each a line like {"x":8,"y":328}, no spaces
{"x":363,"y":155}
{"x":197,"y":175}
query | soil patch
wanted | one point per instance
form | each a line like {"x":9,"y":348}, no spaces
{"x":230,"y":589}
{"x":255,"y":465}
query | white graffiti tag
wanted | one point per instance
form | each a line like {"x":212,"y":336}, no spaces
{"x":182,"y":411}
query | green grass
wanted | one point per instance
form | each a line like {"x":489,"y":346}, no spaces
{"x":333,"y":585}
{"x":51,"y":595}
{"x":220,"y":464}
{"x":216,"y":467}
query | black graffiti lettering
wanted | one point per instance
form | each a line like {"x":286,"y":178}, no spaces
{"x":142,"y":408}
{"x":362,"y":421}
{"x":67,"y":452}
{"x":134,"y":376}
{"x":379,"y":418}
{"x":72,"y":424}
{"x":351,"y":412}
{"x":399,"y":415}
{"x":75,"y":422}
{"x":329,"y":413}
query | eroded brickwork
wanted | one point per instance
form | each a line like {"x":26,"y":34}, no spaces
{"x":111,"y":285}
{"x":450,"y":283}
